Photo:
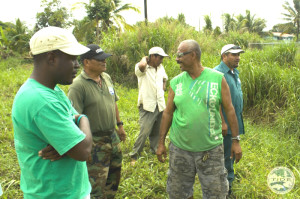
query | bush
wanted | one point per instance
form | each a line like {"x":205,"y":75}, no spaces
{"x":129,"y":47}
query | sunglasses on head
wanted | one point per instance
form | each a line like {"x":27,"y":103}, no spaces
{"x":235,"y":47}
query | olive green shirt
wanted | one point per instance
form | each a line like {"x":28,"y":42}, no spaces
{"x":97,"y":103}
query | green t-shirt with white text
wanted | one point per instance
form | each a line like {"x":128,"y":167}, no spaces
{"x":197,"y":124}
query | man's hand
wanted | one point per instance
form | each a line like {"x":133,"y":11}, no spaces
{"x":236,"y":151}
{"x":49,"y":153}
{"x":121,"y":133}
{"x":224,"y":129}
{"x":161,"y":153}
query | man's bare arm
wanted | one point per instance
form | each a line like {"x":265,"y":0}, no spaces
{"x":165,"y":126}
{"x":232,"y":120}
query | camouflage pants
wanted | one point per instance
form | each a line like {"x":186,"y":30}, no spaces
{"x":209,"y":165}
{"x":104,"y":166}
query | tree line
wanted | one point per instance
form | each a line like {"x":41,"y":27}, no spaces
{"x":104,"y":15}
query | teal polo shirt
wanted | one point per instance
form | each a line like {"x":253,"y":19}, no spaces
{"x":236,"y":92}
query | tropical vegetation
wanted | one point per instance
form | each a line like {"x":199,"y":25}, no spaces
{"x":293,"y":14}
{"x":270,"y":78}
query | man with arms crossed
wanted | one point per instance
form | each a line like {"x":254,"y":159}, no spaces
{"x":192,"y":112}
{"x":43,"y":118}
{"x":230,"y":56}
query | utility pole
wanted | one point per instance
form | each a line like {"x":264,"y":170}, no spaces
{"x":145,"y":9}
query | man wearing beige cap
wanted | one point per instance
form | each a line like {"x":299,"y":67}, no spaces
{"x":52,"y":140}
{"x":230,"y":58}
{"x":151,"y":102}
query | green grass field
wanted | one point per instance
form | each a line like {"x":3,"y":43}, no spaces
{"x":264,"y":148}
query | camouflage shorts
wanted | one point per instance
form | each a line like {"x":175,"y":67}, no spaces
{"x":104,"y":166}
{"x":209,"y":165}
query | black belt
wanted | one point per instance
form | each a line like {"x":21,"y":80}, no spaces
{"x":103,"y":133}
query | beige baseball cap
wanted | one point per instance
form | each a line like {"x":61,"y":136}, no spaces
{"x":55,"y":38}
{"x":158,"y":50}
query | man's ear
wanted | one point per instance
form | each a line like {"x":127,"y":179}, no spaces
{"x":85,"y":62}
{"x":223,"y":56}
{"x":194,"y":55}
{"x":51,"y":58}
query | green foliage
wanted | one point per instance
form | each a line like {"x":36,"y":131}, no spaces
{"x":284,"y":28}
{"x":129,"y":47}
{"x":98,"y":9}
{"x":293,"y":14}
{"x":208,"y":24}
{"x":84,"y":30}
{"x":217,"y":31}
{"x":53,"y":15}
{"x":241,"y":39}
{"x":263,"y":150}
{"x":243,"y":23}
{"x":253,"y":25}
{"x":105,"y":13}
{"x":181,"y":18}
{"x":14,"y":38}
{"x":271,"y":82}
{"x":264,"y":146}
{"x":13,"y":74}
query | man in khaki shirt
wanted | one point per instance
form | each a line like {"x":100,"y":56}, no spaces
{"x":152,"y":83}
{"x":93,"y":94}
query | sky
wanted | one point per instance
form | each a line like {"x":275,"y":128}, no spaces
{"x":194,"y":10}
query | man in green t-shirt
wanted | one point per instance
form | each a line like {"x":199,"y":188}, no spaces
{"x":45,"y":123}
{"x":92,"y":93}
{"x":193,"y":114}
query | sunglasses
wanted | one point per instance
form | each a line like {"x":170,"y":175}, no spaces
{"x":182,"y":54}
{"x":235,"y":47}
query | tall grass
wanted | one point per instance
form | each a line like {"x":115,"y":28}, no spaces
{"x":13,"y":73}
{"x":129,"y":47}
{"x":271,"y":86}
{"x":270,"y":81}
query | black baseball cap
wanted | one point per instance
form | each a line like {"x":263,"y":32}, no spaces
{"x":95,"y":53}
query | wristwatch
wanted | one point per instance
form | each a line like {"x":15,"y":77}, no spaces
{"x":236,"y":138}
{"x":120,"y":123}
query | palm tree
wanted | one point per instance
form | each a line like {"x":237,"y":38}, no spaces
{"x":293,"y":14}
{"x":208,"y":23}
{"x":229,"y":22}
{"x":20,"y":37}
{"x":253,"y":25}
{"x":106,"y":13}
{"x":239,"y":22}
{"x":115,"y":14}
{"x":181,"y":18}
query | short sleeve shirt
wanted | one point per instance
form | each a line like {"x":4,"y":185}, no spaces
{"x":43,"y":116}
{"x":98,"y":103}
{"x":236,"y":92}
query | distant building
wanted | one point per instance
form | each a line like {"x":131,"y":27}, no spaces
{"x":283,"y":36}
